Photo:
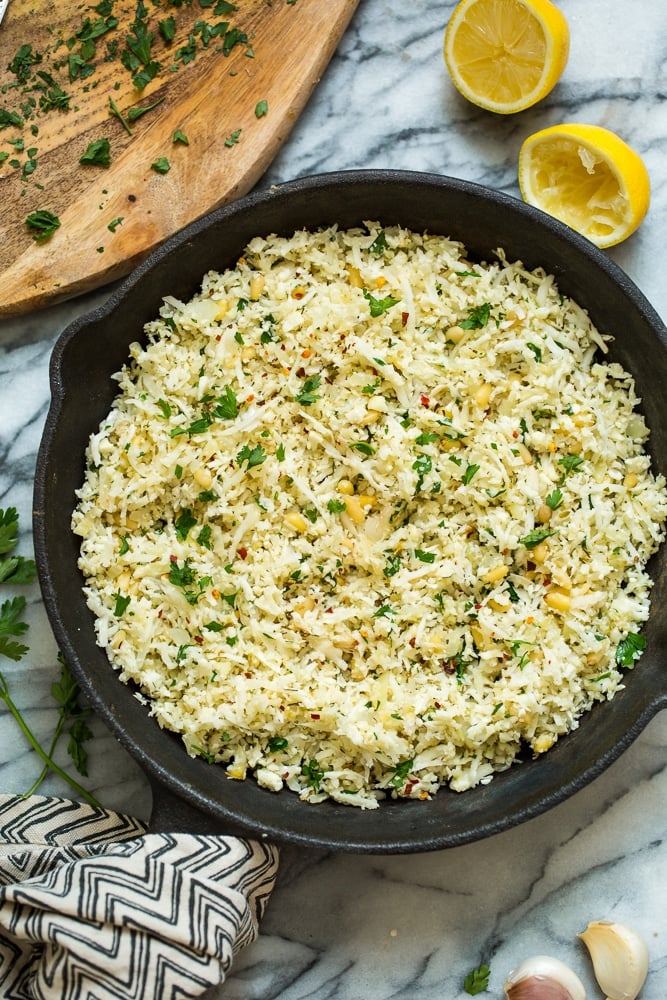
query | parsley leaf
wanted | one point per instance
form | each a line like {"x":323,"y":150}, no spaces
{"x":629,"y":649}
{"x":309,"y":394}
{"x":379,"y":244}
{"x":44,"y":224}
{"x":161,"y":165}
{"x":536,"y":536}
{"x":469,"y":473}
{"x":97,"y":153}
{"x":379,"y":306}
{"x":477,"y":318}
{"x":228,"y":406}
{"x":313,"y":774}
{"x":252,"y":456}
{"x":11,"y":625}
{"x":554,"y":499}
{"x":477,"y":980}
{"x":570,"y":463}
{"x":184,"y":522}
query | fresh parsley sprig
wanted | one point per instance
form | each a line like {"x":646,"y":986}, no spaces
{"x":19,"y":570}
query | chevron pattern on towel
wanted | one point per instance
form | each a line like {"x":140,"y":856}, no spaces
{"x":93,"y":907}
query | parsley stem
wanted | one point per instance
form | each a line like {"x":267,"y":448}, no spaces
{"x":45,"y":770}
{"x":32,"y":740}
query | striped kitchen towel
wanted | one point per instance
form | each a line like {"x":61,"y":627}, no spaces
{"x":93,"y":906}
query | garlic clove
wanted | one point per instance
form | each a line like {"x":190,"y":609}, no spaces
{"x":543,"y":978}
{"x":619,"y":956}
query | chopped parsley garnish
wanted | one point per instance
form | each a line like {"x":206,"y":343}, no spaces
{"x":309,"y":393}
{"x":422,"y":464}
{"x":570,"y":463}
{"x":401,"y":772}
{"x":554,"y":499}
{"x":629,"y":649}
{"x":251,"y":456}
{"x":363,"y":446}
{"x":161,"y":165}
{"x":233,"y":137}
{"x":185,"y":578}
{"x":427,"y":437}
{"x":379,"y":306}
{"x":336,"y":506}
{"x":184,"y":523}
{"x":227,"y":404}
{"x":44,"y":224}
{"x":261,"y":109}
{"x":477,"y":980}
{"x":277,"y":743}
{"x":536,"y":536}
{"x":477,"y":318}
{"x":393,"y":564}
{"x":181,"y":137}
{"x":425,"y":557}
{"x":470,"y":471}
{"x":379,"y":244}
{"x":121,"y":605}
{"x":97,"y":153}
{"x":313,"y":774}
{"x":537,"y":351}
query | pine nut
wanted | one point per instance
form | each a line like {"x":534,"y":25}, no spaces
{"x":558,"y":601}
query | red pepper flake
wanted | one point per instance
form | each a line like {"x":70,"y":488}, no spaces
{"x":424,"y":400}
{"x":173,"y":559}
{"x":515,"y":434}
{"x":546,"y":582}
{"x":250,"y":398}
{"x":199,"y":639}
{"x":242,"y":552}
{"x":407,"y":788}
{"x":413,"y":641}
{"x":247,"y":674}
{"x":218,"y":336}
{"x":315,"y":715}
{"x":404,"y":318}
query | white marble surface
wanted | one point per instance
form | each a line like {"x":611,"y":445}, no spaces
{"x":410,"y":927}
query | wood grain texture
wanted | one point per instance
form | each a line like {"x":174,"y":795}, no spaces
{"x":208,"y":99}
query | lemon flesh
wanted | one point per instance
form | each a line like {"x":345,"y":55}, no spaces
{"x":587,"y":177}
{"x":505,"y":55}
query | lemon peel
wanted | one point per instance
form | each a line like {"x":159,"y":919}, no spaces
{"x":506,"y":55}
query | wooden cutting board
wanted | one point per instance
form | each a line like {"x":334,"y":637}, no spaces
{"x":235,"y":110}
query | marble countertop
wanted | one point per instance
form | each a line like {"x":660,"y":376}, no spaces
{"x":412,"y":926}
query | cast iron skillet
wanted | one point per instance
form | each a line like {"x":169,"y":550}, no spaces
{"x":191,"y":794}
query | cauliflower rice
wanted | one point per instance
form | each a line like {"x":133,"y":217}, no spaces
{"x":366,"y":519}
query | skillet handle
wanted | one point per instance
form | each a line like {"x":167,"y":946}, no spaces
{"x":172,"y":814}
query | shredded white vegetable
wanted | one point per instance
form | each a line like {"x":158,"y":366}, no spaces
{"x":367,"y":518}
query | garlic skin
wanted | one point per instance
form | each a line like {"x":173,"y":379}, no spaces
{"x":543,"y":978}
{"x":619,"y":956}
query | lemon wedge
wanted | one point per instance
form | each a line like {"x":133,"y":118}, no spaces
{"x":506,"y":55}
{"x":587,"y":177}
